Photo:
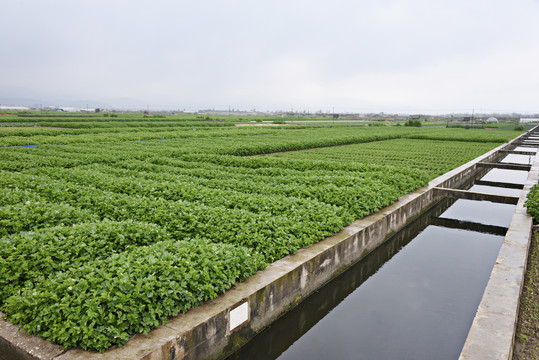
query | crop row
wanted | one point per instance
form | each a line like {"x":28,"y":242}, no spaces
{"x":274,"y":236}
{"x":105,"y":301}
{"x":273,"y":140}
{"x":532,"y":203}
{"x":439,"y":156}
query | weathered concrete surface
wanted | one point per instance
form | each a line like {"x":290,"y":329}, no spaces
{"x":18,"y":345}
{"x":518,"y":152}
{"x":466,"y":225}
{"x":492,"y":333}
{"x":204,"y":332}
{"x":505,"y":166}
{"x":499,"y":184}
{"x":471,"y":195}
{"x":527,"y":143}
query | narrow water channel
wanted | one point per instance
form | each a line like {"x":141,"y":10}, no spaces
{"x":413,"y":297}
{"x":525,"y":148}
{"x":506,"y":176}
{"x":495,"y":190}
{"x":519,"y":159}
{"x":481,"y":212}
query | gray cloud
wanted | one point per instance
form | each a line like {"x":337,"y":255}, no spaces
{"x":388,"y":55}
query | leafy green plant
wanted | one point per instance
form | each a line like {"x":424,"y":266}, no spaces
{"x":105,"y":302}
{"x":413,"y":122}
{"x":532,"y":202}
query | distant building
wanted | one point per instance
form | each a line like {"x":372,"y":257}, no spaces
{"x":9,"y":107}
{"x":528,"y":120}
{"x":492,"y":119}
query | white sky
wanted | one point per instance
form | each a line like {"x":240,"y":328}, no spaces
{"x":367,"y":56}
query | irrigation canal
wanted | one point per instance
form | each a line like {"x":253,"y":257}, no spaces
{"x":415,"y":296}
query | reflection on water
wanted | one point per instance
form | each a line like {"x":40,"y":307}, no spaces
{"x":482,"y":212}
{"x":414,"y":297}
{"x":419,"y":305}
{"x":495,"y":190}
{"x":506,"y":176}
{"x":525,"y":148}
{"x":519,"y":159}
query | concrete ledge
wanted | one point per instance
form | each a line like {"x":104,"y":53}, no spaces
{"x":466,"y":225}
{"x":507,"y":166}
{"x":471,"y":195}
{"x":517,"y":152}
{"x":492,"y":333}
{"x":207,"y":331}
{"x":531,"y":143}
{"x":526,"y":145}
{"x":499,"y":184}
{"x":18,"y":345}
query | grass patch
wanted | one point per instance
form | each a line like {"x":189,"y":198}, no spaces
{"x":527,"y":335}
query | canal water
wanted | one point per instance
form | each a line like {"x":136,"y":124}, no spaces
{"x":495,"y":190}
{"x":525,"y":148}
{"x":481,"y":212}
{"x":506,"y":176}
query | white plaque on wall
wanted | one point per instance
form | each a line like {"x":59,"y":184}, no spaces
{"x":239,"y":315}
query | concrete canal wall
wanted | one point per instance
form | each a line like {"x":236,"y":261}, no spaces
{"x":222,"y":325}
{"x":493,"y":330}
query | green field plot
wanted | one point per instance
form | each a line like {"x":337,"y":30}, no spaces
{"x":433,"y":156}
{"x":110,"y":226}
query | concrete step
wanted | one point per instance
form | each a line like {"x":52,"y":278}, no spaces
{"x":499,"y":184}
{"x":467,"y":225}
{"x":507,"y":166}
{"x":471,"y":195}
{"x":517,"y":152}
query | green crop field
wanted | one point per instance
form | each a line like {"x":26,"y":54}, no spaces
{"x":110,"y":226}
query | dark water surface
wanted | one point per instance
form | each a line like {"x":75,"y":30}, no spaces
{"x":519,"y":159}
{"x":495,"y":190}
{"x":525,"y":148}
{"x":482,"y":212}
{"x":506,"y":176}
{"x":414,"y":297}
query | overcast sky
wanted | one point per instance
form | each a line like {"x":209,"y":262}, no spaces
{"x":366,"y":56}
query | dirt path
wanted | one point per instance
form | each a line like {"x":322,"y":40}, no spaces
{"x":527,"y":335}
